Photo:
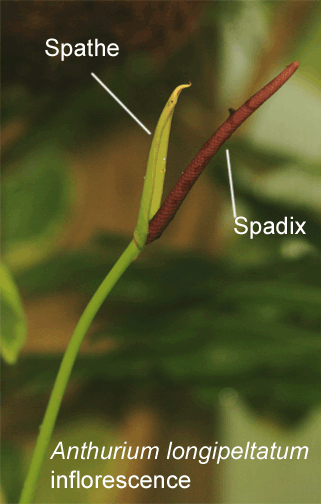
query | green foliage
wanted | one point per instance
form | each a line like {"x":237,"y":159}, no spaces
{"x":12,"y":471}
{"x":35,"y":200}
{"x":311,"y":58}
{"x":198,"y":322}
{"x":262,"y":164}
{"x":13,"y":321}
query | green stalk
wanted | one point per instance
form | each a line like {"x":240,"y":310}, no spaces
{"x":48,"y":424}
{"x":152,"y":192}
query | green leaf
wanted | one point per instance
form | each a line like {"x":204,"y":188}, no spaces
{"x":13,"y":326}
{"x":156,"y":167}
{"x":258,"y":158}
{"x":170,"y":280}
{"x":295,"y":295}
{"x":12,"y":470}
{"x":263,"y":166}
{"x":35,"y":200}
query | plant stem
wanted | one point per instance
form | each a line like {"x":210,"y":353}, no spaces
{"x":48,"y":424}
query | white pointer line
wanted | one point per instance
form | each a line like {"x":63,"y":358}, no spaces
{"x":120,"y":103}
{"x":231,"y":182}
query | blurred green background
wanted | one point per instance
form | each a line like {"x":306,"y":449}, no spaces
{"x":209,"y":336}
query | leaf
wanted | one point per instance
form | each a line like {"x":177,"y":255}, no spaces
{"x":35,"y":201}
{"x":169,"y":280}
{"x":295,"y":295}
{"x":273,"y":205}
{"x":156,"y":167}
{"x":12,"y":470}
{"x":205,"y":344}
{"x":13,"y":326}
{"x":260,"y":159}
